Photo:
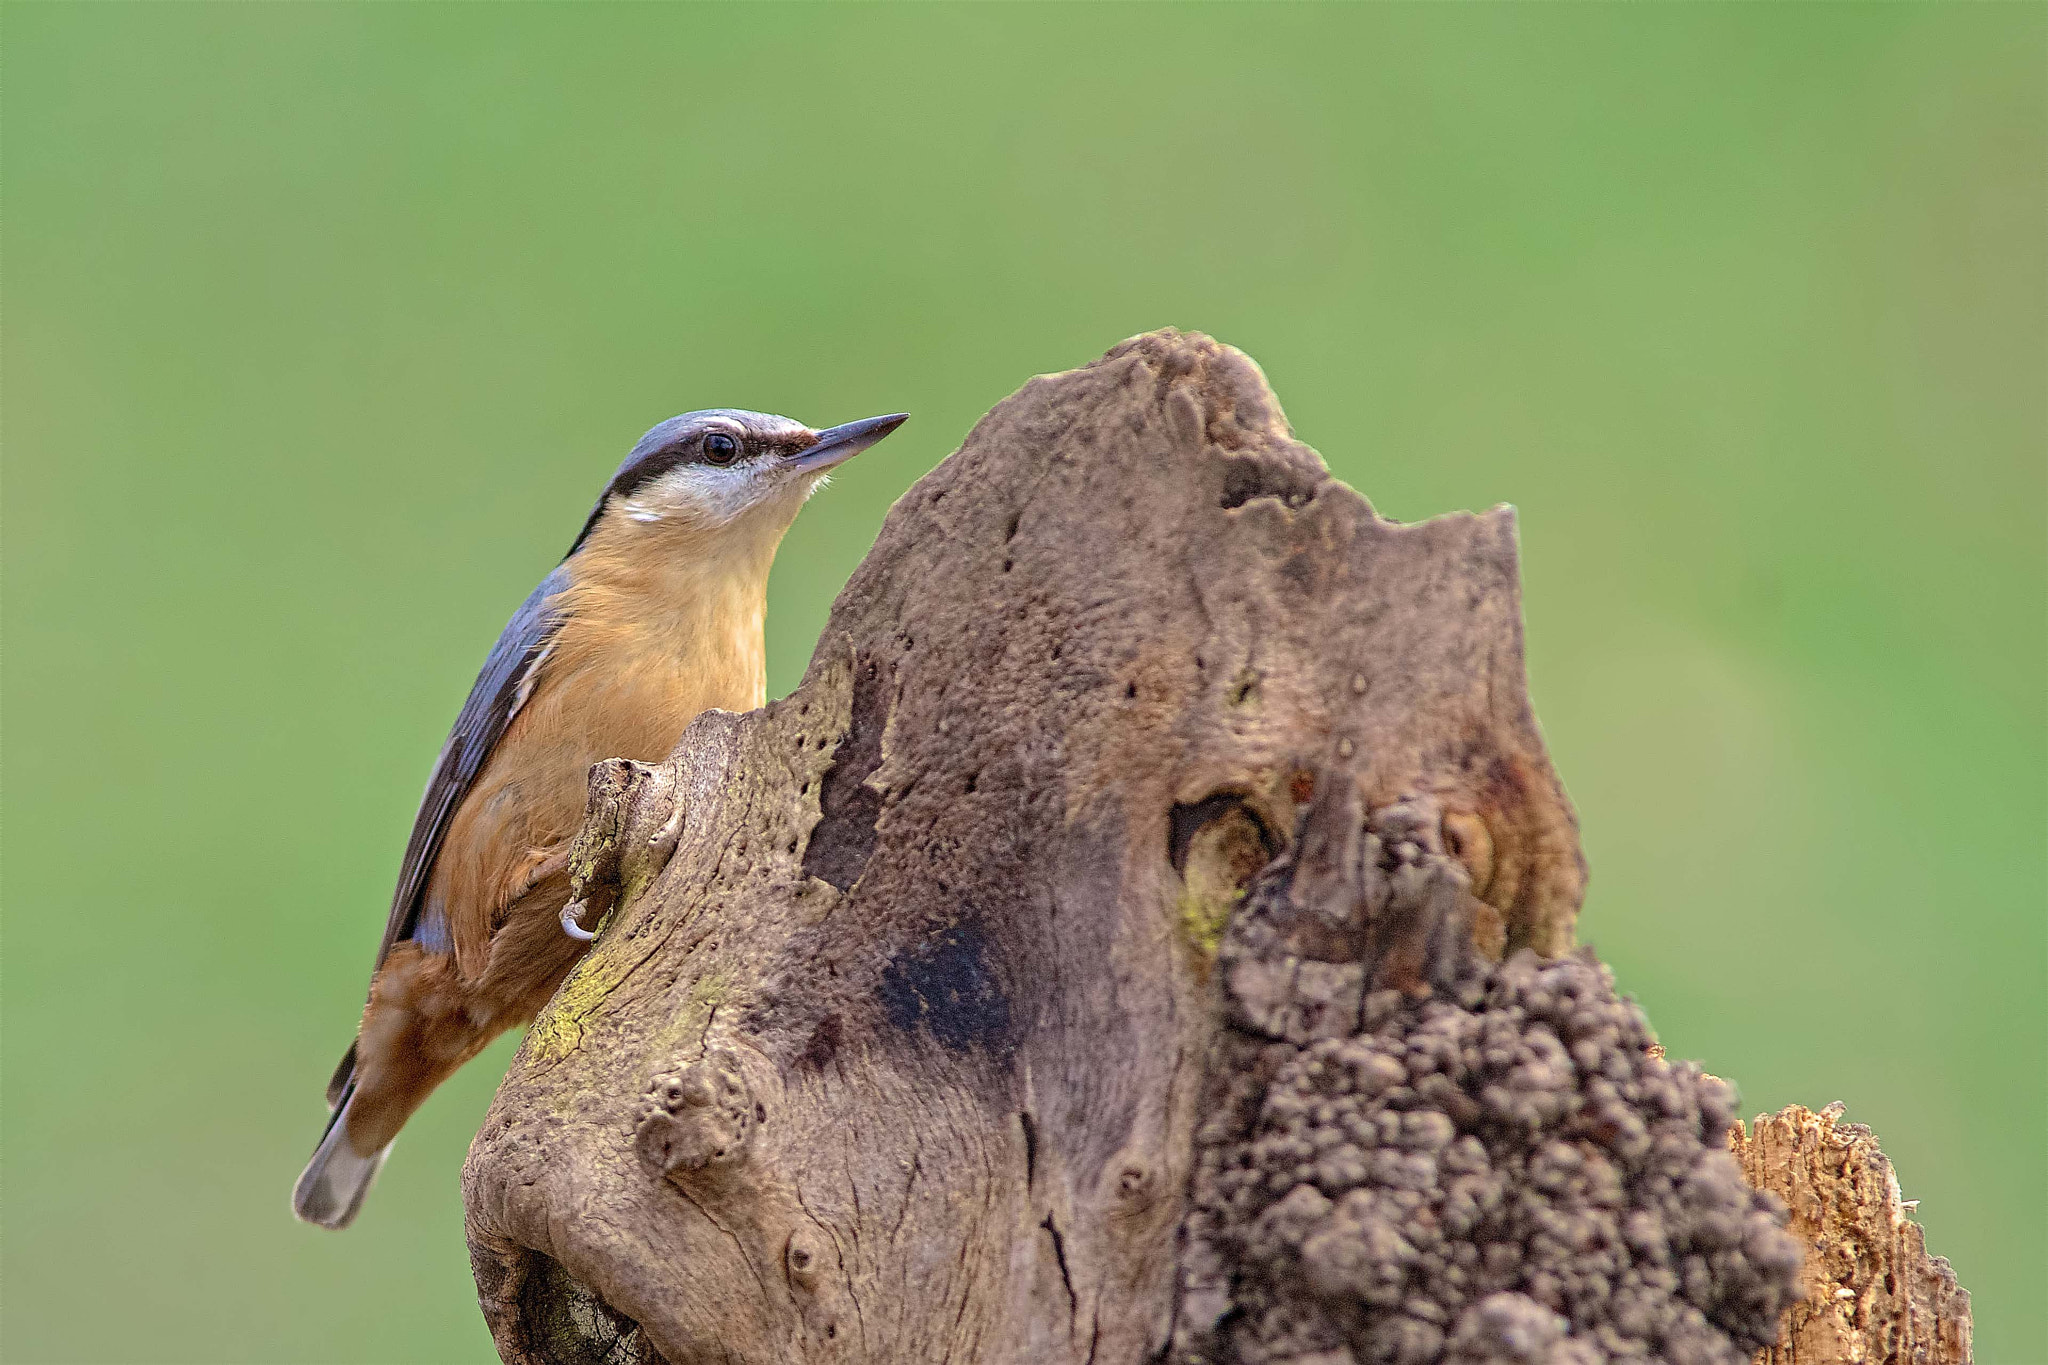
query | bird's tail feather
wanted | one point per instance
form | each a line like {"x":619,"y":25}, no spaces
{"x":337,"y":1088}
{"x":332,"y":1186}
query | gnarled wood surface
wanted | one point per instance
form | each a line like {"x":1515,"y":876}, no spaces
{"x":895,"y":1038}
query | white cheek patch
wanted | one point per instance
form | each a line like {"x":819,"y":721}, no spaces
{"x":701,"y":493}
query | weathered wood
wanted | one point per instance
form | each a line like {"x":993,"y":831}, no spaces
{"x":907,"y":1002}
{"x":1873,"y":1294}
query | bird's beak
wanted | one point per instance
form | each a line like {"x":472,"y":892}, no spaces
{"x":837,"y":444}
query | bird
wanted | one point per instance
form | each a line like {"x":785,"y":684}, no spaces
{"x":653,"y":617}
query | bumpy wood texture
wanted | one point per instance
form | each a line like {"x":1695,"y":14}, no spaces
{"x":1874,"y":1296}
{"x":893,"y":1043}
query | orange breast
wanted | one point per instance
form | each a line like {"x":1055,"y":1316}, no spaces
{"x":624,"y":676}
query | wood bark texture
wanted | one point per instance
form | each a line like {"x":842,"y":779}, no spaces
{"x":914,"y":987}
{"x":1873,"y":1294}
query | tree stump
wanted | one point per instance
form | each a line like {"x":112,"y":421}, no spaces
{"x":1139,"y":760}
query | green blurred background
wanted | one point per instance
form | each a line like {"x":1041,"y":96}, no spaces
{"x":323,"y":324}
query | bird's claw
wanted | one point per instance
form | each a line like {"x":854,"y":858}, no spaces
{"x":572,"y":914}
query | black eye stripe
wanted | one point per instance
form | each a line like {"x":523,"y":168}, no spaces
{"x":647,"y":471}
{"x":690,"y":450}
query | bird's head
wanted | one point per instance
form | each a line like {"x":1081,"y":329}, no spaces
{"x":724,"y":470}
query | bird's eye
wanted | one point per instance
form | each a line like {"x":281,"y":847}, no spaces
{"x":721,"y":447}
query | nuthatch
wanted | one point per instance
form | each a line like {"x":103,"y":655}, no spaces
{"x":653,"y":617}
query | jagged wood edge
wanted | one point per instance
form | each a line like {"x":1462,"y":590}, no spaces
{"x":1873,"y":1293}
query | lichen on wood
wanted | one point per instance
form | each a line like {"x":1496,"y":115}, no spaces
{"x":1412,"y":1153}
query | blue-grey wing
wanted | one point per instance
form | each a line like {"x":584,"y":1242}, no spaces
{"x":501,"y":689}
